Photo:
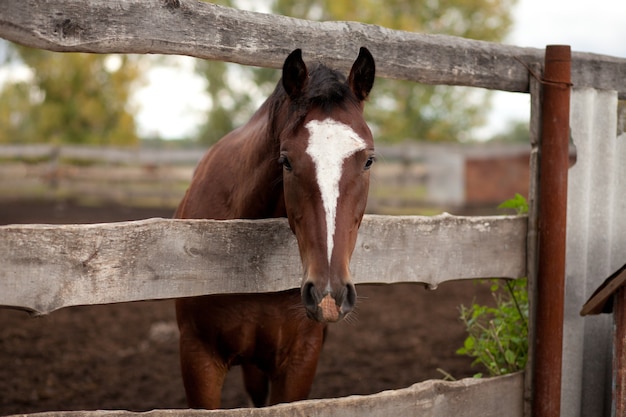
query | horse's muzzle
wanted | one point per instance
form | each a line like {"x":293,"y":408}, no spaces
{"x":328,"y":306}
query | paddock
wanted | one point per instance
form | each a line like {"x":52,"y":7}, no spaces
{"x":60,"y":266}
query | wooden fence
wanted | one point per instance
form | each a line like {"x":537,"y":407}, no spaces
{"x":469,"y":397}
{"x":133,"y":177}
{"x":193,"y":28}
{"x":47,"y":267}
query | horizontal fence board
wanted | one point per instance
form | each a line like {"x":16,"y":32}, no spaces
{"x":160,"y":175}
{"x":203,"y":30}
{"x":490,"y":397}
{"x":108,"y":154}
{"x":47,"y":267}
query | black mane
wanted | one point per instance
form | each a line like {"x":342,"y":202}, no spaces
{"x":326,"y":89}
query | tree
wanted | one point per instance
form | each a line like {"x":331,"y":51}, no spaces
{"x":398,"y":109}
{"x":70,"y":98}
{"x":235,"y":93}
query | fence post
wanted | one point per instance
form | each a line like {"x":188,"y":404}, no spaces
{"x":533,"y":215}
{"x":554,"y":163}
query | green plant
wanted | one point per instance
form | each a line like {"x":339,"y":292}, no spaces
{"x":517,"y":203}
{"x":498,"y":336}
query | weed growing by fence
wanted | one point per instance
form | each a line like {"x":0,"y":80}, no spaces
{"x":498,"y":336}
{"x":517,"y":203}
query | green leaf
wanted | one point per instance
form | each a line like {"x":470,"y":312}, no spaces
{"x":518,"y":203}
{"x":509,"y":356}
{"x":498,"y":336}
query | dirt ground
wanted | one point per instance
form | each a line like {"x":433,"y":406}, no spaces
{"x":125,"y":356}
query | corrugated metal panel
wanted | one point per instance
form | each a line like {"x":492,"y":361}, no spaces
{"x":596,"y":247}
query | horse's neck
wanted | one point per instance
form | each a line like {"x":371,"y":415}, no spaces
{"x":239,"y":177}
{"x":258,"y":191}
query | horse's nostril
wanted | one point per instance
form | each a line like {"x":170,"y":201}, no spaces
{"x":310,"y":296}
{"x":351,"y":296}
{"x":350,"y":299}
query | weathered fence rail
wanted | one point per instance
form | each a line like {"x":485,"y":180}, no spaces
{"x":467,"y":397}
{"x":106,"y":154}
{"x":129,"y":176}
{"x":208,"y":31}
{"x":47,"y":267}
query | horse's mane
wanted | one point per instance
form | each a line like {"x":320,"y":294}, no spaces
{"x":326,"y":90}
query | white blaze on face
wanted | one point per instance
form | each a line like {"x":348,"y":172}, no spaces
{"x":330,"y":143}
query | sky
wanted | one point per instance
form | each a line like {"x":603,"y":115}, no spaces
{"x":172,"y":102}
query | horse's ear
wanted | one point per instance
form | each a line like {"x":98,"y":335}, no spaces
{"x":294,"y":74}
{"x":362,"y":74}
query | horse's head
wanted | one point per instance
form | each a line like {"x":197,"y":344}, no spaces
{"x":326,"y":150}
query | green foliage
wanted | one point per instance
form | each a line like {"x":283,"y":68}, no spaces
{"x":70,"y":98}
{"x":397,"y":110}
{"x":517,"y":203}
{"x":498,"y":336}
{"x":229,"y":87}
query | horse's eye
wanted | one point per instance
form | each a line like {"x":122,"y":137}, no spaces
{"x":284,"y":161}
{"x":369,"y":162}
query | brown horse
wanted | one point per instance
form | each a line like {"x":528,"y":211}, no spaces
{"x":304,"y":154}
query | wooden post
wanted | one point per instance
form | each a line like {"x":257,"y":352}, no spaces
{"x":619,"y":353}
{"x":552,"y":231}
{"x":533,"y":218}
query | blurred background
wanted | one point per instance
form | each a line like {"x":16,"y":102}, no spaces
{"x":127,"y":130}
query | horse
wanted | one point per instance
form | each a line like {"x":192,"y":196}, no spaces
{"x":305,"y":155}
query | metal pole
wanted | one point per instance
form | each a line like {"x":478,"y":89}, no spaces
{"x":554,"y":162}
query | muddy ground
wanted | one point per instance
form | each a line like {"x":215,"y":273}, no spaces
{"x":125,"y":356}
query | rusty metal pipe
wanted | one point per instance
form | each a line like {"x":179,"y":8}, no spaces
{"x":554,"y":158}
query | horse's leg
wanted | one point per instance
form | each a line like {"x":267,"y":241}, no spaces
{"x":203,"y":374}
{"x":256,"y":383}
{"x":294,"y":380}
{"x":293,"y":384}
